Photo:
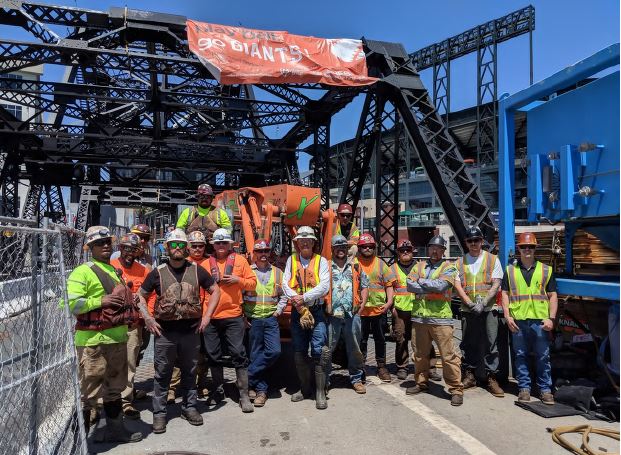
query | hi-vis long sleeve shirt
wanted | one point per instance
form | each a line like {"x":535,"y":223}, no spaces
{"x":85,"y":292}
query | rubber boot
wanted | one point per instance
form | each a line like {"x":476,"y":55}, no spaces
{"x":217,"y":376}
{"x":303,"y":371}
{"x":242,"y":386}
{"x":320,"y":387}
{"x":115,"y":428}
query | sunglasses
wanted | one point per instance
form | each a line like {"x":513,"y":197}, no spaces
{"x":217,"y":242}
{"x":102,"y":242}
{"x":177,"y":245}
{"x":263,"y":251}
{"x":197,"y":245}
{"x":367,"y":247}
{"x":131,"y":249}
{"x":473,"y":240}
{"x":526,"y":247}
{"x":405,"y":250}
{"x":346,"y":215}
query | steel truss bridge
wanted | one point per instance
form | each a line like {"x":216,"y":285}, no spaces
{"x":136,"y":119}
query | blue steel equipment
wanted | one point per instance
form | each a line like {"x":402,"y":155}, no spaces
{"x":573,"y":162}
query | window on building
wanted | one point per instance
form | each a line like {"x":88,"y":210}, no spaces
{"x":366,"y":193}
{"x":13,"y":109}
{"x":13,"y":83}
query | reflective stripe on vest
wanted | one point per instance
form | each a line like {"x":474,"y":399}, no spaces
{"x":436,"y":305}
{"x":529,"y":301}
{"x":481,"y":282}
{"x":377,"y":291}
{"x":228,"y":267}
{"x":263,"y":301}
{"x":403,"y":299}
{"x":297,"y":269}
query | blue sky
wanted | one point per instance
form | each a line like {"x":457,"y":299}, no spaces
{"x":566,"y":31}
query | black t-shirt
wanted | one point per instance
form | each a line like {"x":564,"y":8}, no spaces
{"x":406,"y":268}
{"x":152,"y":283}
{"x":528,"y":275}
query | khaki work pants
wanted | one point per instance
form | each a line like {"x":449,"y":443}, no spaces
{"x":134,"y":342}
{"x":102,"y":371}
{"x":451,"y":361}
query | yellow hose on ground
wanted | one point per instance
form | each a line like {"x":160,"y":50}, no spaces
{"x":585,"y":430}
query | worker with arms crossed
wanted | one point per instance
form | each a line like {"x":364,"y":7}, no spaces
{"x":432,"y":281}
{"x":234,"y":275}
{"x":176,"y":319}
{"x":306,"y":281}
{"x":478,"y":283}
{"x":103,"y":306}
{"x":262,"y":306}
{"x":530,"y":302}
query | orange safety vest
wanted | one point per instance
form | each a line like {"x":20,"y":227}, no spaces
{"x":303,"y":279}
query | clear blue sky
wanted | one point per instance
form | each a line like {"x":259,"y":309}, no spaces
{"x":566,"y":31}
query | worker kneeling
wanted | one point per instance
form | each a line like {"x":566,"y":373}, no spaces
{"x":233,"y":274}
{"x":349,"y":289}
{"x":262,"y":306}
{"x":306,"y":281}
{"x":103,"y":306}
{"x":176,"y":319}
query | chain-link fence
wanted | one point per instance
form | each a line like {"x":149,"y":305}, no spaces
{"x":39,"y":394}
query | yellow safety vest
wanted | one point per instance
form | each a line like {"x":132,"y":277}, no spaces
{"x":263,"y":301}
{"x":309,"y":276}
{"x":529,"y":301}
{"x":436,"y":305}
{"x":403,"y":299}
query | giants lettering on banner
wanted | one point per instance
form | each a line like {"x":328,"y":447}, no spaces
{"x":238,"y":55}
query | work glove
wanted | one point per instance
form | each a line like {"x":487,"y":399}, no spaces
{"x":478,"y":305}
{"x":307,"y":321}
{"x":113,"y":301}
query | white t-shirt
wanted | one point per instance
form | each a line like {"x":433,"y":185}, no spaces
{"x":474,"y":264}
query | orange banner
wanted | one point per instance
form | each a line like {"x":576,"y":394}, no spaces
{"x":237,"y":55}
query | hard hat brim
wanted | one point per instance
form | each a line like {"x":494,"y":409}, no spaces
{"x":298,"y":237}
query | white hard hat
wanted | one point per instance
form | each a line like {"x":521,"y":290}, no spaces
{"x":178,"y":235}
{"x":305,"y":232}
{"x":221,"y":235}
{"x":96,"y":233}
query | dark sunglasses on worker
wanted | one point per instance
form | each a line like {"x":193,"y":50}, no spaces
{"x":177,"y":245}
{"x":102,"y":242}
{"x":526,"y":247}
{"x":405,"y":250}
{"x":473,"y":240}
{"x":263,"y":251}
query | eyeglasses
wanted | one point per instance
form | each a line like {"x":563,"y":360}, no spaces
{"x":367,"y":247}
{"x":473,"y":240}
{"x":102,"y":242}
{"x":263,"y":251}
{"x":526,"y":247}
{"x":177,"y":245}
{"x":404,"y":250}
{"x":345,"y":215}
{"x":197,"y":245}
{"x":131,"y":249}
{"x":144,"y":236}
{"x":221,"y":242}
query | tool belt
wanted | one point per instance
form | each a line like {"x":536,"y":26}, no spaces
{"x":113,"y":316}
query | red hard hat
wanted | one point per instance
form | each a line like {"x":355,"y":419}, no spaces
{"x":205,"y":189}
{"x":345,"y":208}
{"x":140,"y":229}
{"x":366,"y":239}
{"x":262,"y":244}
{"x":404,"y":243}
{"x":527,"y":238}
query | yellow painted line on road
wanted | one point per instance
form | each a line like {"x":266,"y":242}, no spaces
{"x":459,"y":436}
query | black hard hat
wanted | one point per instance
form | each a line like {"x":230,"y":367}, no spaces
{"x":474,"y":233}
{"x":437,"y":240}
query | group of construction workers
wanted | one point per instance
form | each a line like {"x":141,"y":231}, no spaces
{"x":202,"y":302}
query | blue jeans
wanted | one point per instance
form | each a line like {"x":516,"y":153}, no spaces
{"x":264,"y":339}
{"x":316,"y":338}
{"x":532,"y":337}
{"x":352,"y":331}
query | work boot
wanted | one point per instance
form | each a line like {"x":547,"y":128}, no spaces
{"x":320,"y":387}
{"x":547,"y":398}
{"x":382,"y":372}
{"x":469,"y":380}
{"x":493,"y":386}
{"x":457,"y":400}
{"x":130,"y":412}
{"x":252,"y":394}
{"x":402,"y":374}
{"x":242,"y":386}
{"x":524,"y":395}
{"x":434,"y":375}
{"x":140,"y":394}
{"x":159,"y":424}
{"x":116,"y":431}
{"x":217,"y":377}
{"x":260,"y":399}
{"x":360,"y":388}
{"x":415,"y":390}
{"x":192,"y":416}
{"x":303,"y":371}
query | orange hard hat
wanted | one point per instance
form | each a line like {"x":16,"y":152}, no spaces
{"x":527,"y":238}
{"x":344,"y":208}
{"x":366,"y":239}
